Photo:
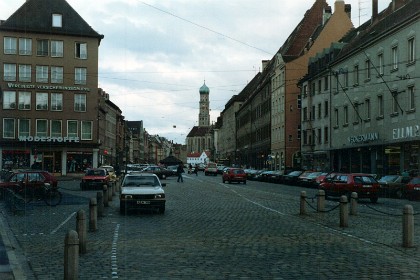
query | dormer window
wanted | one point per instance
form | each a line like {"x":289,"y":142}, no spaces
{"x":57,"y":20}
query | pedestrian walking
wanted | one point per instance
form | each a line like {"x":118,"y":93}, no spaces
{"x":196,"y":170}
{"x":179,"y":171}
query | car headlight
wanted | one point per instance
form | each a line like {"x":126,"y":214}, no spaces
{"x":160,"y":195}
{"x":126,"y":196}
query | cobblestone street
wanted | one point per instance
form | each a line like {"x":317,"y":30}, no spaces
{"x":212,"y":230}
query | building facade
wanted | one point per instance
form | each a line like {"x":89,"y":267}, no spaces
{"x":49,"y":84}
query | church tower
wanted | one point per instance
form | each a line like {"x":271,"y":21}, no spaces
{"x":204,"y":115}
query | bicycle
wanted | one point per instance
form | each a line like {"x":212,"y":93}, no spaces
{"x":51,"y":196}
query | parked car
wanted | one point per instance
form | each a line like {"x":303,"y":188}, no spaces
{"x":211,"y":169}
{"x":251,"y":173}
{"x":95,"y":178}
{"x":28,"y":178}
{"x":309,"y":181}
{"x":365,"y":185}
{"x":292,"y":177}
{"x":220,"y":169}
{"x":142,"y":191}
{"x":393,"y":185}
{"x":303,"y":177}
{"x":413,"y":188}
{"x":161,"y":172}
{"x":234,"y":175}
{"x":111,"y":172}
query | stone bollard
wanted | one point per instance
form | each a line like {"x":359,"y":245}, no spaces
{"x":408,"y":226}
{"x":100,"y":201}
{"x":71,"y":256}
{"x":353,"y":204}
{"x":344,"y":212}
{"x":320,"y":201}
{"x":81,"y":231}
{"x":302,"y":203}
{"x":93,"y":217}
{"x":105,"y":191}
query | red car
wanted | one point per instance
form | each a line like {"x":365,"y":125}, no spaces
{"x":28,"y":178}
{"x":95,"y":178}
{"x":413,"y":188}
{"x":344,"y":184}
{"x":234,"y":175}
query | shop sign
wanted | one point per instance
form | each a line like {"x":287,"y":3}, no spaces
{"x":47,"y":87}
{"x":49,"y":139}
{"x":406,"y":132}
{"x":363,"y":138}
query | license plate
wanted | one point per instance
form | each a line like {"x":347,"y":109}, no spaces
{"x":143,"y":202}
{"x":367,"y":186}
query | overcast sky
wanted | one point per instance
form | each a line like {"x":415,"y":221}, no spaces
{"x":156,"y":54}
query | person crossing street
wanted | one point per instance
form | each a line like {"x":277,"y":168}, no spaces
{"x":179,"y":171}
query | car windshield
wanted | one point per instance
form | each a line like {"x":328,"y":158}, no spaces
{"x":140,"y":181}
{"x":389,"y":178}
{"x":364,"y":179}
{"x":238,"y":171}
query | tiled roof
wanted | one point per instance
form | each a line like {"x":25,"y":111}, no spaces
{"x":199,"y":131}
{"x":35,"y":16}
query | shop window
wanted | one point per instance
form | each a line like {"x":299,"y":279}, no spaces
{"x":8,"y":128}
{"x":24,"y":100}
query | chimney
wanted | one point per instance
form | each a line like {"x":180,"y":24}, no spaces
{"x":347,"y":10}
{"x":326,"y":15}
{"x":374,"y":9}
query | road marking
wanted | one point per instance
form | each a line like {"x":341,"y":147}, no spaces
{"x":254,"y":202}
{"x":65,"y":221}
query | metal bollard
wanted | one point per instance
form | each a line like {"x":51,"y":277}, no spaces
{"x":408,"y":226}
{"x":105,"y":191}
{"x":344,"y":211}
{"x":71,"y":256}
{"x":302,"y":203}
{"x":320,"y":201}
{"x":81,"y":230}
{"x":100,"y":201}
{"x":353,"y":204}
{"x":93,"y":217}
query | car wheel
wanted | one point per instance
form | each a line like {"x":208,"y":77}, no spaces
{"x":374,"y":199}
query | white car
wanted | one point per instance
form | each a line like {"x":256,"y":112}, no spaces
{"x":142,"y":191}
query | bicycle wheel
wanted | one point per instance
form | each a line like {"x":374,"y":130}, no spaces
{"x":52,"y":197}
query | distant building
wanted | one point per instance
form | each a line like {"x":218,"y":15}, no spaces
{"x":200,"y":138}
{"x":198,"y":158}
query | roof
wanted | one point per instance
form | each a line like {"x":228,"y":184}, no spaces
{"x":35,"y":16}
{"x":204,"y":89}
{"x":199,"y":131}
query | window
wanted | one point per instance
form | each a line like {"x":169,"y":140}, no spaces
{"x":56,"y":101}
{"x":57,"y":48}
{"x":346,"y":115}
{"x":319,"y":86}
{"x":356,"y":112}
{"x":346,"y":79}
{"x":9,"y":100}
{"x":41,"y":128}
{"x":57,"y":74}
{"x":55,"y":128}
{"x":10,"y":45}
{"x":380,"y":106}
{"x":313,"y":88}
{"x":81,"y":50}
{"x":336,"y":117}
{"x":57,"y":20}
{"x":80,"y":76}
{"x":411,"y":103}
{"x":326,"y":138}
{"x":9,"y":72}
{"x":24,"y":127}
{"x":394,"y":53}
{"x":9,"y":128}
{"x":313,"y":113}
{"x":41,"y":101}
{"x":394,"y":102}
{"x":86,"y":130}
{"x":80,"y":102}
{"x":42,"y":47}
{"x":25,"y":73}
{"x":367,"y":109}
{"x":24,"y":100}
{"x":319,"y":136}
{"x":41,"y":74}
{"x":305,"y":91}
{"x":72,"y":128}
{"x":381,"y":64}
{"x":326,"y":108}
{"x":326,"y":83}
{"x":356,"y":75}
{"x":319,"y":110}
{"x":411,"y":50}
{"x":25,"y":46}
{"x":305,"y":137}
{"x":367,"y":70}
{"x":299,"y":131}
